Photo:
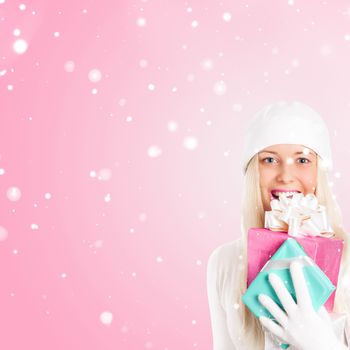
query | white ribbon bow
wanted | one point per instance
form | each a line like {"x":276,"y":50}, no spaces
{"x":299,"y":216}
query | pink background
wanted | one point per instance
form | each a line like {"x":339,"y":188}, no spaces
{"x":126,"y":189}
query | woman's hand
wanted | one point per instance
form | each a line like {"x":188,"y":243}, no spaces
{"x":299,"y":325}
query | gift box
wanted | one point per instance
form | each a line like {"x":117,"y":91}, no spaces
{"x":325,"y":252}
{"x":319,"y":285}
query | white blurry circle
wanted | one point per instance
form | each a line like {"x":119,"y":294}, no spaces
{"x":13,"y":193}
{"x":106,"y":317}
{"x":226,"y":16}
{"x":34,"y":226}
{"x":194,"y":24}
{"x":47,"y":195}
{"x":220,"y":88}
{"x":151,"y":87}
{"x":2,"y":1}
{"x":94,"y":91}
{"x":142,"y":216}
{"x":3,"y":233}
{"x":93,"y":173}
{"x":69,"y":66}
{"x":16,"y":32}
{"x":122,"y":102}
{"x":10,"y":87}
{"x":143,"y":63}
{"x":95,"y":75}
{"x":190,"y":142}
{"x":20,"y":46}
{"x":295,"y":63}
{"x":22,"y":7}
{"x":172,"y":126}
{"x":207,"y":64}
{"x":141,"y":22}
{"x":56,"y":34}
{"x":107,"y":198}
{"x":104,"y":174}
{"x":154,"y":151}
{"x":2,"y":171}
{"x":129,"y":118}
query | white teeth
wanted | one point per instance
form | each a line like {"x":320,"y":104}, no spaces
{"x":287,"y":194}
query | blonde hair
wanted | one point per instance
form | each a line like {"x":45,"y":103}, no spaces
{"x":253,"y":216}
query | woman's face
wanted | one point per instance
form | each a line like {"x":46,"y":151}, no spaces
{"x":291,"y":168}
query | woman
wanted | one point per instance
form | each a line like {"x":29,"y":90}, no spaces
{"x":287,"y":148}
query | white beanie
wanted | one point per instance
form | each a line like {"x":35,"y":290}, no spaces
{"x":287,"y":123}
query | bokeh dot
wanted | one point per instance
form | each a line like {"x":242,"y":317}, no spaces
{"x":3,"y":233}
{"x":13,"y":194}
{"x":20,"y":46}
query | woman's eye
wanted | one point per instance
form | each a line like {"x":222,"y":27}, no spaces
{"x":304,"y":160}
{"x":267,"y":159}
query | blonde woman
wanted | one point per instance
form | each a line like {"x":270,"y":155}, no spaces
{"x":287,"y":148}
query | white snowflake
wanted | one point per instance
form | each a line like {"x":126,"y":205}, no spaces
{"x":154,"y":151}
{"x":20,"y":46}
{"x":106,"y":318}
{"x":220,"y":88}
{"x":190,"y":142}
{"x":3,"y":233}
{"x":226,"y":16}
{"x":95,"y":75}
{"x":69,"y":66}
{"x":13,"y":194}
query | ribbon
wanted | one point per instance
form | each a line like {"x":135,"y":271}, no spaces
{"x":279,"y":264}
{"x":299,"y":216}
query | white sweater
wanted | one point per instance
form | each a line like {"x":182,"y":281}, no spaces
{"x":223,"y":267}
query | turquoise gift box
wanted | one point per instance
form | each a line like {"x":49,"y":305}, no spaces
{"x":320,"y":287}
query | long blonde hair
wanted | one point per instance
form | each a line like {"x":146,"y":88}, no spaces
{"x":253,"y":216}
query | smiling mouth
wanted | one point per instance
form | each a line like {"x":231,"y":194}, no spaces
{"x":277,"y":194}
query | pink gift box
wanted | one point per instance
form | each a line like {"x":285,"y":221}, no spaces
{"x":326,"y":252}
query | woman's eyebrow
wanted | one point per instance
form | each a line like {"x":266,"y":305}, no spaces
{"x":299,"y":152}
{"x":305,"y":153}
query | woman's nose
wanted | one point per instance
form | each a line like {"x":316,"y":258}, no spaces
{"x":285,"y":173}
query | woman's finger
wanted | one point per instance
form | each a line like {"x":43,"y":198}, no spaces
{"x":300,"y":286}
{"x":274,"y":309}
{"x":273,"y":327}
{"x":283,"y":294}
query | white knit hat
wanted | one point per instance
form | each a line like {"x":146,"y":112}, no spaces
{"x":287,"y":123}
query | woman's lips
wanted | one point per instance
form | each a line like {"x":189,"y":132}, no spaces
{"x":277,"y":192}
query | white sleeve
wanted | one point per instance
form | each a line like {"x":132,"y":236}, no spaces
{"x":221,"y":337}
